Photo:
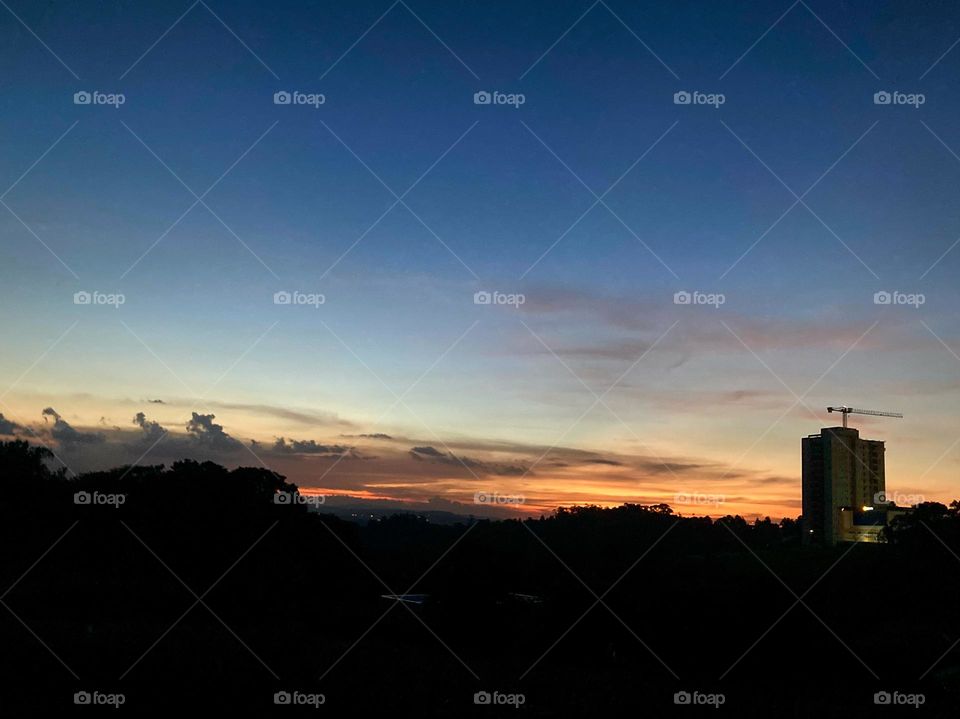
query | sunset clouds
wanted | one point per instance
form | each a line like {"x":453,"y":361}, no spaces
{"x":421,"y":218}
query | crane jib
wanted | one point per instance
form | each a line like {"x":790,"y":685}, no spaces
{"x":844,"y":410}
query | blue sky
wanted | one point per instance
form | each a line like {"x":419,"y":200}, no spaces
{"x":503,"y":185}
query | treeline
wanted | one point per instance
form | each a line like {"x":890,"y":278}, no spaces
{"x":199,"y":578}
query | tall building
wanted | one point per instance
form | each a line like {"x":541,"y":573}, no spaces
{"x":843,"y":480}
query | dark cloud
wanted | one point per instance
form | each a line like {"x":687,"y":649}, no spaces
{"x":66,"y":435}
{"x":654,"y":466}
{"x":7,"y":426}
{"x":311,"y":418}
{"x":152,"y":431}
{"x":786,"y":481}
{"x":625,"y":328}
{"x":429,"y":451}
{"x":611,"y":462}
{"x":208,"y":434}
{"x":509,"y":470}
{"x":432,"y":454}
{"x":376,"y":435}
{"x":307,"y":446}
{"x":156,"y":401}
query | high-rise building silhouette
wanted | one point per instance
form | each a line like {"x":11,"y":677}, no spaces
{"x":844,"y":484}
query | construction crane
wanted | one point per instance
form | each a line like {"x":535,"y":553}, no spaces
{"x":853,"y":410}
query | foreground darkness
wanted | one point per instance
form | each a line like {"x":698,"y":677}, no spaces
{"x":288,"y":592}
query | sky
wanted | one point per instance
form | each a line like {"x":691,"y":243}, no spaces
{"x":781,"y":199}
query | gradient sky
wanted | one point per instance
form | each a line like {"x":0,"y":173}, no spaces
{"x":704,"y":400}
